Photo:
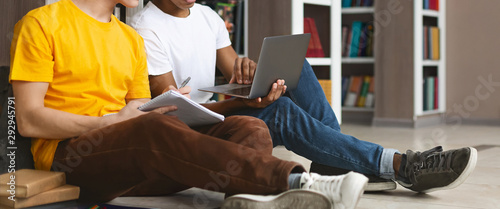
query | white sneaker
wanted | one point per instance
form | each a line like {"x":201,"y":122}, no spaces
{"x":291,"y":199}
{"x":344,"y":190}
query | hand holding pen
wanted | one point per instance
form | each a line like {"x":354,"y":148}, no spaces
{"x":183,"y":89}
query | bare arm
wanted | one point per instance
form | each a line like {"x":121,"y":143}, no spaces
{"x":36,"y":120}
{"x":161,"y":83}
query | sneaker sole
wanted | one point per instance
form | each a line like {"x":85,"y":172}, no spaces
{"x":380,"y":186}
{"x":291,"y":199}
{"x":463,"y":176}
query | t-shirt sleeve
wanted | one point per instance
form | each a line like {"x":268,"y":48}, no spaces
{"x":140,"y":86}
{"x":157,"y":56}
{"x":221,"y":33}
{"x":31,"y":52}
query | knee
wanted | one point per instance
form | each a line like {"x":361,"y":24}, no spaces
{"x":249,"y":123}
{"x":283,"y":102}
{"x":253,"y":128}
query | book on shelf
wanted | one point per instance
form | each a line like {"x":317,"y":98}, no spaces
{"x":364,"y":91}
{"x":345,"y":87}
{"x":425,"y":42}
{"x":359,"y":91}
{"x":29,"y":182}
{"x":436,"y":93}
{"x":346,"y":3}
{"x":368,"y":47}
{"x":355,"y":37}
{"x":326,"y":85}
{"x":370,"y":96}
{"x":357,"y":41}
{"x":435,"y":42}
{"x":430,"y":93}
{"x":356,"y":3}
{"x":314,"y":48}
{"x":346,"y":38}
{"x":431,"y":4}
{"x":431,"y":43}
{"x":355,"y":83}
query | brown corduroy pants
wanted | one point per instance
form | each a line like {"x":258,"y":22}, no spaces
{"x":156,"y":154}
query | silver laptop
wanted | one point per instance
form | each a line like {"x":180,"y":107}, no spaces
{"x":281,"y":57}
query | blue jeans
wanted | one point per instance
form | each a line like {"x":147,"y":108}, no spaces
{"x":304,"y":123}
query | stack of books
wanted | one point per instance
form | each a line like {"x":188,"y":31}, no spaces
{"x":27,"y":188}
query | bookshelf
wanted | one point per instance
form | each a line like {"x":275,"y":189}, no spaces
{"x":403,"y":66}
{"x":437,"y":68}
{"x":360,"y":64}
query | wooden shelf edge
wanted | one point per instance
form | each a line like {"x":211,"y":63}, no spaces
{"x":358,"y":10}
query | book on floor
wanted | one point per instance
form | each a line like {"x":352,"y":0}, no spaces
{"x":59,"y":194}
{"x":29,"y":182}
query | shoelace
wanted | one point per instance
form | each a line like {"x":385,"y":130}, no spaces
{"x":432,"y":160}
{"x":328,"y":185}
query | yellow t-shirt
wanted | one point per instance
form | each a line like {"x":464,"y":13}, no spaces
{"x":91,"y":66}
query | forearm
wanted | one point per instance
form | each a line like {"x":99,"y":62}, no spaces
{"x":49,"y":123}
{"x":227,"y":106}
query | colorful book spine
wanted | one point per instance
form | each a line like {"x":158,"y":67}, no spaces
{"x":425,"y":43}
{"x":436,"y":93}
{"x":356,"y":33}
{"x":435,"y":43}
{"x":370,"y":97}
{"x":430,"y":93}
{"x":314,"y":49}
{"x":345,"y":40}
{"x":364,"y":91}
{"x":424,"y":94}
{"x":345,"y":88}
{"x":346,"y":3}
{"x":354,"y":90}
{"x":369,"y":43}
{"x":326,"y":85}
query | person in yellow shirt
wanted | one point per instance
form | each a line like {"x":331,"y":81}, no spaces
{"x":73,"y":63}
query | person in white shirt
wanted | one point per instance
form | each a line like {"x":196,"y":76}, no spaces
{"x":181,"y":35}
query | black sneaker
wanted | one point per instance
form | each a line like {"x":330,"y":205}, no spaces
{"x":375,"y":183}
{"x":434,"y":169}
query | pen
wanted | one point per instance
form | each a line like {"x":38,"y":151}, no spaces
{"x":185,"y":82}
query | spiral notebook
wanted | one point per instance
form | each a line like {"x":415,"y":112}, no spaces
{"x":188,"y":111}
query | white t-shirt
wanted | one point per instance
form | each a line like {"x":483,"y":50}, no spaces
{"x":186,"y":46}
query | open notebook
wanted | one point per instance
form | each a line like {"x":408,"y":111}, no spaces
{"x":188,"y":111}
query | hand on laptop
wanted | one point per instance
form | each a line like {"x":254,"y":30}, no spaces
{"x":244,"y":70}
{"x":184,"y":90}
{"x":277,"y":90}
